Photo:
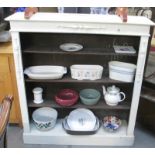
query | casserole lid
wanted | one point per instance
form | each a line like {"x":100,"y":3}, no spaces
{"x":122,"y":65}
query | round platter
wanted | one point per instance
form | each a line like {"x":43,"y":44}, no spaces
{"x":70,"y":47}
{"x":81,"y":119}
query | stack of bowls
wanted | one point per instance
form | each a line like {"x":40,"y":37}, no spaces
{"x":45,"y":118}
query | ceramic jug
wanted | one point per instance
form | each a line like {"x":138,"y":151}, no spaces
{"x":113,"y":95}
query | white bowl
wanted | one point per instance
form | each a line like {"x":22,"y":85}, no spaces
{"x":45,"y":118}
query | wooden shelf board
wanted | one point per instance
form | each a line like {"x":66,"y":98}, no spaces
{"x":67,"y":78}
{"x":85,"y":51}
{"x":100,"y":105}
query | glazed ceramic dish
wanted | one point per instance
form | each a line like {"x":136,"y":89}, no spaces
{"x":66,"y":97}
{"x":81,"y":119}
{"x":44,"y":118}
{"x":71,"y":47}
{"x":86,"y":72}
{"x":45,"y":72}
{"x":111,"y":123}
{"x":89,"y":96}
{"x":76,"y":132}
{"x":122,"y":71}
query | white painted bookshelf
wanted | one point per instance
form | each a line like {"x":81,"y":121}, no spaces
{"x":36,"y":42}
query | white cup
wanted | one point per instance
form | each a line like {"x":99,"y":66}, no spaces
{"x":38,"y":95}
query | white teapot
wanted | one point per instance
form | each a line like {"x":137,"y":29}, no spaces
{"x":113,"y":95}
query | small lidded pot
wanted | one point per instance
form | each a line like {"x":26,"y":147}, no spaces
{"x":38,"y":95}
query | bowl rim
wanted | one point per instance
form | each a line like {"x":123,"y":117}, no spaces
{"x":97,"y":95}
{"x":62,"y":91}
{"x":43,"y":108}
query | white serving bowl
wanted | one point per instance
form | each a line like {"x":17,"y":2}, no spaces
{"x":86,"y":72}
{"x":122,"y":71}
{"x":45,"y":72}
{"x":45,"y":118}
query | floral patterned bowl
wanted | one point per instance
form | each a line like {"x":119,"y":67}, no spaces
{"x":44,"y":118}
{"x":111,"y":123}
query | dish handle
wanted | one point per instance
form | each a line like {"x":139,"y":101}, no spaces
{"x":65,"y":70}
{"x":26,"y":71}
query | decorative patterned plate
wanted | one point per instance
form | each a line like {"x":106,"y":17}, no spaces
{"x":71,"y":47}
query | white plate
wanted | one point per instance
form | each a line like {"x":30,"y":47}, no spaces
{"x":71,"y":47}
{"x":45,"y":72}
{"x":81,"y":119}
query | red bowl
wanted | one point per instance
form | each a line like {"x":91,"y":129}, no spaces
{"x":66,"y":97}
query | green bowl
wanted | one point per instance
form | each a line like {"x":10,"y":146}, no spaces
{"x":89,"y":96}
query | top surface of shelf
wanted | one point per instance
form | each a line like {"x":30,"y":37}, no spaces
{"x":86,"y":18}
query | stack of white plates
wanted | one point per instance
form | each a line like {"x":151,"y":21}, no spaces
{"x":81,"y":119}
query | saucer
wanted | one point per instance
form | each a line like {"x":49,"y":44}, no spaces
{"x":70,"y":47}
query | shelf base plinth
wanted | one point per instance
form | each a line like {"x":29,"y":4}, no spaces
{"x":57,"y":136}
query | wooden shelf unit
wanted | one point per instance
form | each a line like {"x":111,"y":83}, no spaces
{"x":36,"y":42}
